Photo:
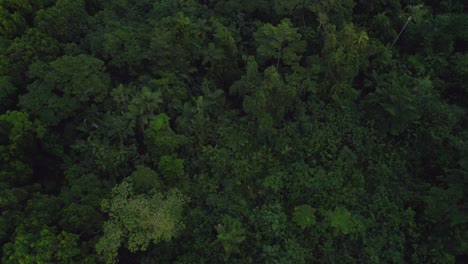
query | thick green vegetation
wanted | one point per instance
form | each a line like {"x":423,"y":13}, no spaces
{"x":190,"y":131}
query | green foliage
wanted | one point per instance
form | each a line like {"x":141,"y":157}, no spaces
{"x":171,"y":168}
{"x":345,"y":52}
{"x":282,"y":43}
{"x":160,"y":138}
{"x":11,"y":24}
{"x":342,"y":220}
{"x":46,"y":246}
{"x":249,"y":80}
{"x":335,"y":12}
{"x":144,"y":179}
{"x":65,"y":21}
{"x":270,"y":102}
{"x":138,"y":219}
{"x":21,"y":126}
{"x":7,"y":90}
{"x":124,"y":46}
{"x":161,"y":122}
{"x":144,"y":104}
{"x":19,"y":138}
{"x":221,"y":55}
{"x":63,"y":85}
{"x":175,"y":42}
{"x":304,"y":216}
{"x":33,"y":45}
{"x":83,"y":76}
{"x":107,"y":157}
{"x":230,"y":235}
{"x":396,"y":109}
{"x":285,"y":7}
{"x":303,"y":131}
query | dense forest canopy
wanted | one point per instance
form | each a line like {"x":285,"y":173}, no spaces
{"x":198,"y":131}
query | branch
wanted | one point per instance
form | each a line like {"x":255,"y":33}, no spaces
{"x":401,"y":31}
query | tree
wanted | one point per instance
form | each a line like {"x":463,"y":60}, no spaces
{"x":222,"y":55}
{"x":345,"y":52}
{"x":124,"y":44}
{"x":23,"y":51}
{"x":161,"y":139}
{"x":144,"y":105}
{"x":282,"y":43}
{"x":139,"y":219}
{"x":337,"y":12}
{"x":175,"y":43}
{"x":13,"y":23}
{"x":64,"y":86}
{"x":145,"y":179}
{"x":230,"y":235}
{"x":343,"y":221}
{"x":304,"y":216}
{"x":392,"y":104}
{"x":65,"y":21}
{"x":172,"y":169}
{"x":46,"y":246}
{"x":270,"y":102}
{"x":7,"y":92}
{"x":19,"y":136}
{"x":303,"y":131}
